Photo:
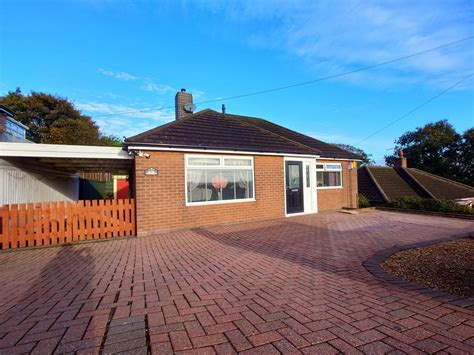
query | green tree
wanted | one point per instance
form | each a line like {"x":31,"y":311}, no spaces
{"x":366,"y":158}
{"x":466,"y":157}
{"x":111,"y":140}
{"x":53,"y":119}
{"x":438,"y":149}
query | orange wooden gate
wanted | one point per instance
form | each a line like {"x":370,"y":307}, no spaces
{"x":50,"y":223}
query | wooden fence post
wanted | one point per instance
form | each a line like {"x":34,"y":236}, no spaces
{"x":46,"y":224}
{"x":5,"y":227}
{"x":102,"y":218}
{"x":21,"y":225}
{"x":54,"y":222}
{"x":61,"y":222}
{"x":81,"y":219}
{"x":38,"y":216}
{"x":115,"y":218}
{"x":14,"y":227}
{"x":30,"y":210}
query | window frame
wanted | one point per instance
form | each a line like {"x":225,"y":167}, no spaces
{"x":221,"y":166}
{"x":325,"y":169}
{"x":14,"y":129}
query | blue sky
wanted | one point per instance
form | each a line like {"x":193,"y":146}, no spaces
{"x":118,"y":56}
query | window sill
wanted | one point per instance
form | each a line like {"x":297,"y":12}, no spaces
{"x":220,"y":202}
{"x":329,"y":187}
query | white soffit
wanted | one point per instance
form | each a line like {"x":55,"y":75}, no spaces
{"x":61,"y":151}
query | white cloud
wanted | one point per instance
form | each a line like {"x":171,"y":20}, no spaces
{"x":118,"y":75}
{"x":125,"y":120}
{"x":147,"y":83}
{"x":338,"y":36}
{"x":161,"y":89}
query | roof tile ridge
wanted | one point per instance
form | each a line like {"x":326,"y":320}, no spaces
{"x":377,"y":185}
{"x":276,"y":134}
{"x":420,"y":185}
{"x":444,"y":179}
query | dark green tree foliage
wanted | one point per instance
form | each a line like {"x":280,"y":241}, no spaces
{"x":438,"y":149}
{"x":466,"y":157}
{"x":111,"y":140}
{"x":55,"y":120}
{"x":366,"y":158}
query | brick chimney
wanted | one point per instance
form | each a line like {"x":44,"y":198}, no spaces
{"x":402,"y":161}
{"x":183,"y":104}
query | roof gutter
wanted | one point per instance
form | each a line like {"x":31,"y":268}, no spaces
{"x":218,"y":151}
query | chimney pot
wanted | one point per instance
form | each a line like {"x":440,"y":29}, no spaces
{"x":402,"y":160}
{"x":181,"y":99}
{"x":223,"y":109}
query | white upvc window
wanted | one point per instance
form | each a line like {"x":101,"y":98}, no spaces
{"x":329,"y":175}
{"x":212,"y":179}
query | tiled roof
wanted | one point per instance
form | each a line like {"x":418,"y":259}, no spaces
{"x":213,"y":130}
{"x":376,"y":181}
{"x":392,"y":184}
{"x":367,"y":187}
{"x":327,"y":150}
{"x":440,"y":187}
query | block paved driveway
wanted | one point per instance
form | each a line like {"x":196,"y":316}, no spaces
{"x":291,"y":285}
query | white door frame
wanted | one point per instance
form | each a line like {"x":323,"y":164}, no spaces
{"x":314,"y":197}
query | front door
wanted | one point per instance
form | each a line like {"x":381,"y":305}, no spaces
{"x":294,"y":187}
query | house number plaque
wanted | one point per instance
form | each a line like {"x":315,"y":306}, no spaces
{"x":151,"y":171}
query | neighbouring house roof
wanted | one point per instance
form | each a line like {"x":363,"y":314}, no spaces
{"x":209,"y":129}
{"x":382,"y":184}
{"x":13,"y":132}
{"x":6,"y":110}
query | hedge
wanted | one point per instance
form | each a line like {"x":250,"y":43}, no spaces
{"x":363,"y":201}
{"x":417,"y":203}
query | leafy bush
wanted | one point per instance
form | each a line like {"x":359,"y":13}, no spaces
{"x":417,"y":203}
{"x":363,"y":201}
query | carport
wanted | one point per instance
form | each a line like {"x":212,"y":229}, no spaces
{"x":69,"y":158}
{"x":39,"y":194}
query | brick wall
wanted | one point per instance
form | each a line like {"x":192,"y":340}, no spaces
{"x":161,"y":199}
{"x":330,"y":199}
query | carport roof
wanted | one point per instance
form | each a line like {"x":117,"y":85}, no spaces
{"x":68,"y":158}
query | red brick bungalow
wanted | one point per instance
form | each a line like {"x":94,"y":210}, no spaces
{"x":209,"y":168}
